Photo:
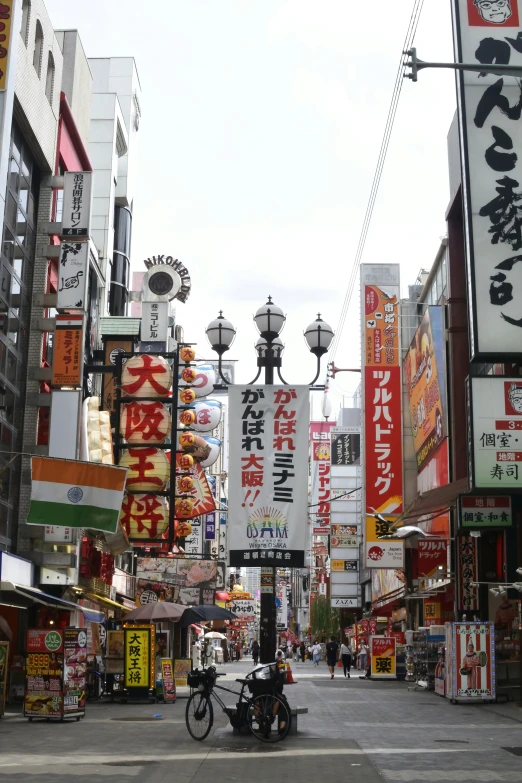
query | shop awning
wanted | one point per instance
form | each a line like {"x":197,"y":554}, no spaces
{"x":22,"y":596}
{"x":108,"y":602}
{"x":433,"y":502}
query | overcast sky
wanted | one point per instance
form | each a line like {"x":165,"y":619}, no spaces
{"x":261,"y":127}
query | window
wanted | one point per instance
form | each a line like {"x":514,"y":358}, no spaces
{"x":26,"y":19}
{"x":38,"y":48}
{"x":49,"y":82}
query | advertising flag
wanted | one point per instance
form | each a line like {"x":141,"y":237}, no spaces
{"x":65,"y":493}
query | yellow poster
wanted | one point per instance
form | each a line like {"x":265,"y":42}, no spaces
{"x":182,"y":668}
{"x":383,"y":657}
{"x":138,"y":660}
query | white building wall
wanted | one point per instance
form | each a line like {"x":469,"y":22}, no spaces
{"x":77,"y":80}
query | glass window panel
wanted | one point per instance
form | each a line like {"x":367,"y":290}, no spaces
{"x":11,"y":368}
{"x":16,"y":146}
{"x":14,"y":170}
{"x":439,"y":283}
{"x":3,"y":521}
{"x":23,"y":196}
{"x":15,"y":286}
{"x":27,"y":163}
{"x":444,"y":272}
{"x":8,"y":245}
{"x":18,"y":261}
{"x":8,"y":412}
{"x":59,"y":206}
{"x":29,"y":239}
{"x":5,"y":283}
{"x":11,"y":210}
{"x":3,"y":351}
{"x":31,"y":210}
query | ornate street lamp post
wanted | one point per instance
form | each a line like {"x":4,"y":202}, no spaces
{"x":269,"y":320}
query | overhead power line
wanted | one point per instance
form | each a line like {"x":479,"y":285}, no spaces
{"x":408,"y":41}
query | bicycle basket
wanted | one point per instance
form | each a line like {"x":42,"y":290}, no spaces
{"x":268,"y":671}
{"x":193,"y":680}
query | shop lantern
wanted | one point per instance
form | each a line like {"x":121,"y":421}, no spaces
{"x":184,"y":461}
{"x":184,"y":508}
{"x":183,"y":529}
{"x":148,"y":469}
{"x":189,"y":374}
{"x":204,"y":381}
{"x":185,"y":485}
{"x":146,"y":376}
{"x":187,"y":418}
{"x":201,"y":494}
{"x":194,"y":445}
{"x":145,"y":422}
{"x":207,"y":415}
{"x":144,"y":516}
{"x":187,"y":354}
{"x":187,"y":396}
{"x":187,"y":441}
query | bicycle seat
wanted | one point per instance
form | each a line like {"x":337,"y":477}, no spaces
{"x":243,"y":682}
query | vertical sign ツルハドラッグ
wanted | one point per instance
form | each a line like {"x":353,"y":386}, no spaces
{"x":490,"y":125}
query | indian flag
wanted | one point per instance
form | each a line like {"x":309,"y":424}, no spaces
{"x":76,"y":494}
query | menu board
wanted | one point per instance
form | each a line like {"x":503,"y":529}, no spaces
{"x":4,"y":658}
{"x":44,"y":674}
{"x":75,"y":669}
{"x":182,"y":668}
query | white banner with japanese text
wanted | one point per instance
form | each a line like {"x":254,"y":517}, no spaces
{"x":490,"y":124}
{"x":268,"y":475}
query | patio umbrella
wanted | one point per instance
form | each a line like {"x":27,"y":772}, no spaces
{"x":197,"y":614}
{"x":157,"y":612}
{"x":215,"y":635}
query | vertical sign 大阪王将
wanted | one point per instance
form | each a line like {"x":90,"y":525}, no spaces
{"x":77,"y":204}
{"x":268,"y":472}
{"x":382,"y":419}
{"x":490,"y":125}
{"x":138,"y":644}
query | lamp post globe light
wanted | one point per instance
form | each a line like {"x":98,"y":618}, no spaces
{"x":270,"y":320}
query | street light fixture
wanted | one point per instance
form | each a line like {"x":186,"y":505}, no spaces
{"x":270,"y":320}
{"x":417,"y":65}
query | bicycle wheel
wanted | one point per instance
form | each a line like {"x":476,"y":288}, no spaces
{"x":269,"y":717}
{"x":199,"y":715}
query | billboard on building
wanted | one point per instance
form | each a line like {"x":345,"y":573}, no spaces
{"x":68,"y":351}
{"x":491,"y":511}
{"x":268,"y":473}
{"x":490,"y":125}
{"x":426,"y":384}
{"x":77,"y":203}
{"x":320,"y":449}
{"x":73,"y":276}
{"x":382,"y":416}
{"x":345,"y":447}
{"x":495,"y":436}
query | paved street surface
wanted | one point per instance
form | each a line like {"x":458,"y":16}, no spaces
{"x":356,"y":732}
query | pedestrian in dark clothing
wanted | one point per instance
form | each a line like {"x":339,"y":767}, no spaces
{"x":255,"y":651}
{"x":302,"y":650}
{"x":331,"y":655}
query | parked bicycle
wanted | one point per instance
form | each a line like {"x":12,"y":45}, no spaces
{"x":94,"y":680}
{"x":264,"y":709}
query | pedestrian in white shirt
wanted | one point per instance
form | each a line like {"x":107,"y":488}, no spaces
{"x":316,"y":651}
{"x":346,"y":657}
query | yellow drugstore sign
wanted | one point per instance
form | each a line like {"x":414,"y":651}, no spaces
{"x":138,"y":643}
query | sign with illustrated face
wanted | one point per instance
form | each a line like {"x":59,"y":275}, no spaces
{"x":471,"y":647}
{"x":490,"y":123}
{"x":73,"y":276}
{"x":477,"y":512}
{"x":496,"y":433}
{"x":268,"y":471}
{"x":77,"y":204}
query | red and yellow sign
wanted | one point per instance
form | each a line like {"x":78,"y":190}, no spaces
{"x":182,"y":667}
{"x":144,"y":516}
{"x":169,"y":685}
{"x":67,"y":351}
{"x":139,"y":663}
{"x":381,"y":328}
{"x":6,"y":15}
{"x":383,"y":656}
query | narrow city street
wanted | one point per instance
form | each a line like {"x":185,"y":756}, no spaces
{"x":355,"y":730}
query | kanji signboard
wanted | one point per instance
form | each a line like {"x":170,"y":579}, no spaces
{"x":268,"y":475}
{"x":490,"y":123}
{"x":68,"y":351}
{"x":467,"y":573}
{"x":77,"y":201}
{"x":383,"y":656}
{"x":477,"y":512}
{"x":138,"y":644}
{"x":496,"y":432}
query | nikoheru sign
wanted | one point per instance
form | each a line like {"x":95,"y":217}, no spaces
{"x":268,"y":475}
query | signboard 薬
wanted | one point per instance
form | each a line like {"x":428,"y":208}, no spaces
{"x":383,"y":656}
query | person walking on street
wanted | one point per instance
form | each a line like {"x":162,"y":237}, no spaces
{"x":302,"y":650}
{"x":363,"y":653}
{"x":316,"y":652}
{"x":346,"y":657}
{"x":255,"y":651}
{"x":295,"y":651}
{"x":331,"y":655}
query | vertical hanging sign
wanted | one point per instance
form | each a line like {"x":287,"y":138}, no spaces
{"x":382,"y":393}
{"x":268,"y":475}
{"x":490,"y":124}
